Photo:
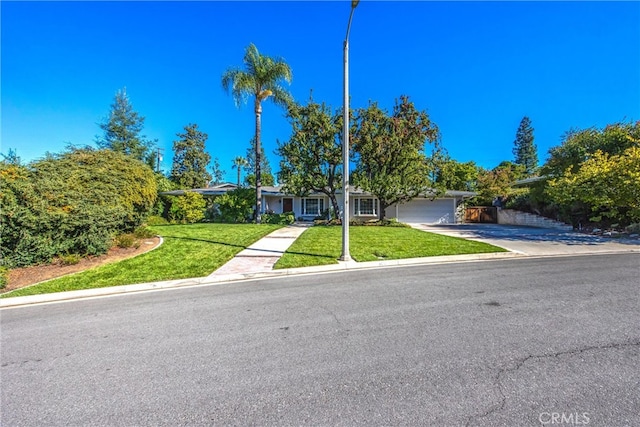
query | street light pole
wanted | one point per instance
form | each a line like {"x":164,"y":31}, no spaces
{"x":345,"y":256}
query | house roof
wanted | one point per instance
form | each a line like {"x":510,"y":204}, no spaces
{"x":530,"y":180}
{"x":268,"y":190}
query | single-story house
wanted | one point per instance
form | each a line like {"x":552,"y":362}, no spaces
{"x":445,"y":209}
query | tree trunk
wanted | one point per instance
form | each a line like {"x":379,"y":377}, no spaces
{"x":238,"y":176}
{"x":334,"y":204}
{"x":258,"y":160}
{"x":382,"y":207}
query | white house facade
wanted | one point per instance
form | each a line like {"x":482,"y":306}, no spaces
{"x":428,"y":209}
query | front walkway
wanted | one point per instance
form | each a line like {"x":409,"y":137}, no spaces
{"x":261,"y":256}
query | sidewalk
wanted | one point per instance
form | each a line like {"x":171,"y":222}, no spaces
{"x":263,"y":254}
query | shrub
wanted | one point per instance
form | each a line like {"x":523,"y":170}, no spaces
{"x":156,"y":220}
{"x":143,"y":233}
{"x":188,"y":208}
{"x":69,"y":259}
{"x":283,"y":218}
{"x":236,"y":206}
{"x":73,"y":202}
{"x":391,"y":222}
{"x":633,"y":228}
{"x":4,"y":277}
{"x":124,"y":241}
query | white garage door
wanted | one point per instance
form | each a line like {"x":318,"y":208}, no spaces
{"x":425,"y":211}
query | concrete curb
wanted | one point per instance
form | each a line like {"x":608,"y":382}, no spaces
{"x":240,"y":277}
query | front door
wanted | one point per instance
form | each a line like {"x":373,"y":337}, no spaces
{"x":287,"y":205}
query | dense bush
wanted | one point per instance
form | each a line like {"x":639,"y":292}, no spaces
{"x":187,"y":208}
{"x":283,"y":218}
{"x":74,"y":202}
{"x":235,"y":206}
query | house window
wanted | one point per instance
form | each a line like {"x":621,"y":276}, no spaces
{"x":312,"y":206}
{"x":364,"y":207}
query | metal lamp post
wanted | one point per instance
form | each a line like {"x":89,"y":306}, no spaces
{"x":345,"y":145}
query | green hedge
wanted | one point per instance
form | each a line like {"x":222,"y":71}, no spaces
{"x":283,"y":218}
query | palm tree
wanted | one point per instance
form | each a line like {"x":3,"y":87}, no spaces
{"x":238,"y":163}
{"x":261,"y":79}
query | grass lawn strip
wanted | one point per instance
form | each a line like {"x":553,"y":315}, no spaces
{"x":188,"y":251}
{"x":323,"y":245}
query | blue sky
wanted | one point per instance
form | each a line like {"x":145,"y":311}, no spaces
{"x":476,"y":67}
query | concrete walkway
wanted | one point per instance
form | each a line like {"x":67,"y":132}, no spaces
{"x":263,"y":254}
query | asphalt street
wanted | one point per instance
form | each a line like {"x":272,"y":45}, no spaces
{"x":512,"y":342}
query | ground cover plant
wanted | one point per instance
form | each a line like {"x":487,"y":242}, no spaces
{"x":194,"y":250}
{"x":321,"y":245}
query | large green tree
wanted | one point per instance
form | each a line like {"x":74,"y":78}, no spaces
{"x":498,"y":182}
{"x":524,"y":149}
{"x":389,"y":151}
{"x":266,"y":175}
{"x":578,"y":146}
{"x":608,"y":184}
{"x":311,"y":159}
{"x":261,"y":79}
{"x":122,"y":130}
{"x":594,"y":175}
{"x":449,"y":174}
{"x":190,"y":160}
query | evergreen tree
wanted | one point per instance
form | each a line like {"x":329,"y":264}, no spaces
{"x":265,"y":167}
{"x":524,"y":149}
{"x":190,"y":161}
{"x":122,"y":130}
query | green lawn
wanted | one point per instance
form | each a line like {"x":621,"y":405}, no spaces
{"x":323,"y":245}
{"x":188,"y":251}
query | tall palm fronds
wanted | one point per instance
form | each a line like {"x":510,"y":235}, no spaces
{"x":260,"y":78}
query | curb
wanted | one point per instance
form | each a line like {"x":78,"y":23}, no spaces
{"x":240,"y":277}
{"x":214,"y":279}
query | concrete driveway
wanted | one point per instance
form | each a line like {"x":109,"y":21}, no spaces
{"x":534,"y":241}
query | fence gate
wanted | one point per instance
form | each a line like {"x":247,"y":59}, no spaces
{"x":481,"y":214}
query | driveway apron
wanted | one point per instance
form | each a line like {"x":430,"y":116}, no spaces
{"x":534,"y":241}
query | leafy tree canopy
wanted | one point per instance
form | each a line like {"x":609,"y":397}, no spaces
{"x":579,"y":145}
{"x":498,"y":182}
{"x":607,"y":183}
{"x":449,"y":174}
{"x":311,"y":160}
{"x":390,"y":152}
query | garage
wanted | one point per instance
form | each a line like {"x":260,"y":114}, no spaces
{"x":426,"y":211}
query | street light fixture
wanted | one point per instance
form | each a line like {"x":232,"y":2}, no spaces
{"x":345,"y":145}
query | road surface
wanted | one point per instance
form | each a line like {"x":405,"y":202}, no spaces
{"x":512,"y":342}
